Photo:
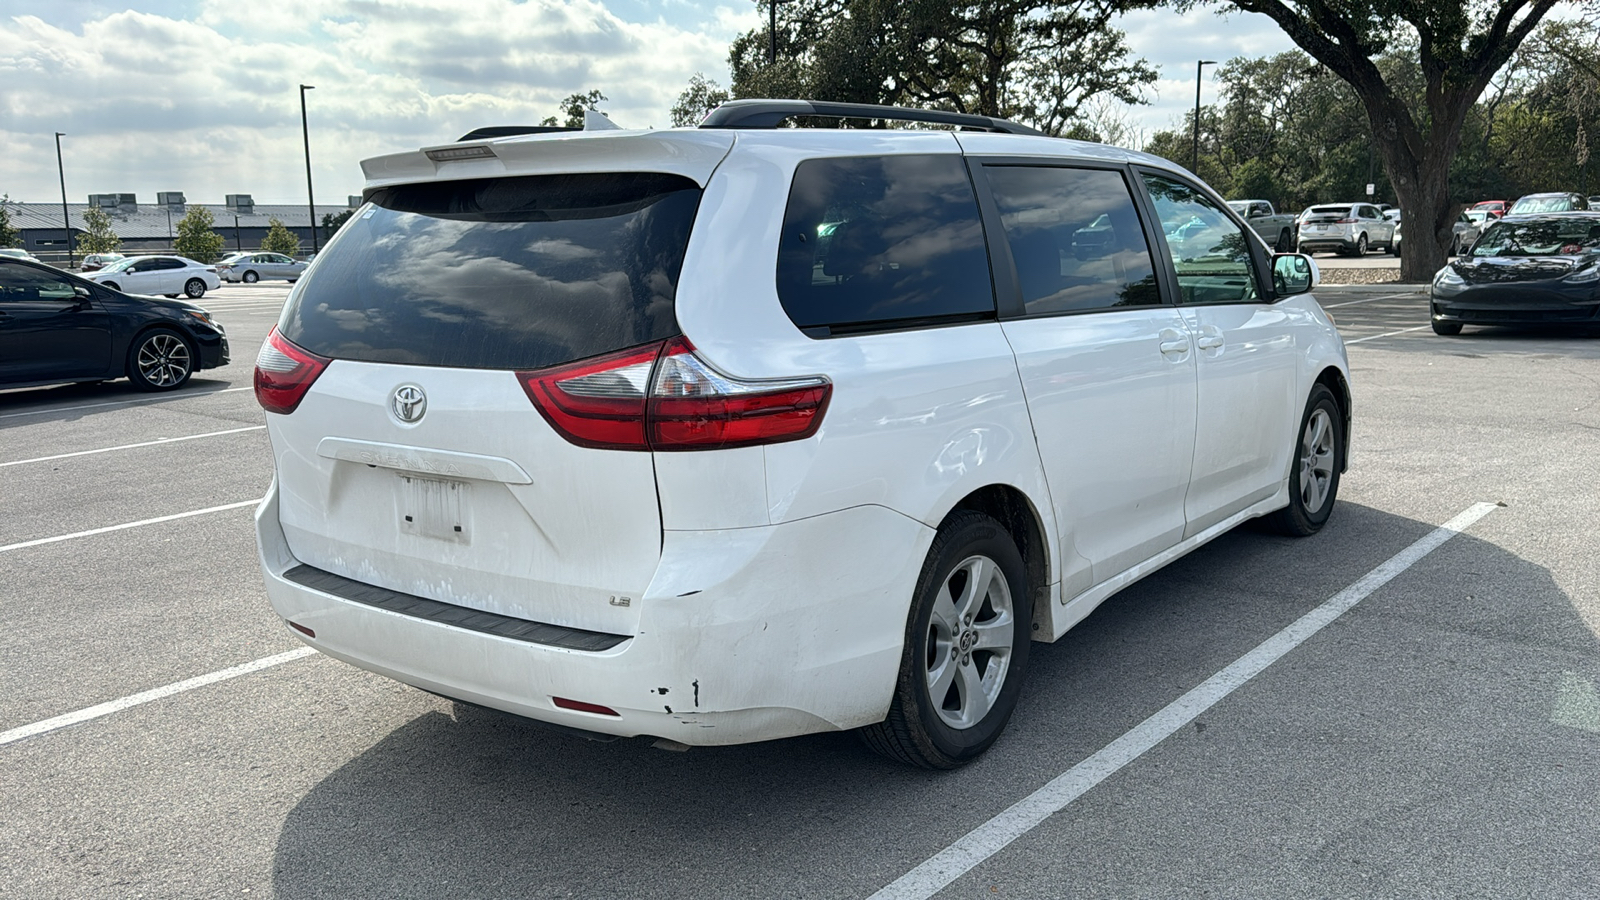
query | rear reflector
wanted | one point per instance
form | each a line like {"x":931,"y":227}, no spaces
{"x":580,"y":706}
{"x":302,"y":629}
{"x":663,"y":396}
{"x":284,"y":373}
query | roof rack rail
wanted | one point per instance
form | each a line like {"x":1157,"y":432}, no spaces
{"x":500,"y":131}
{"x":771,"y":113}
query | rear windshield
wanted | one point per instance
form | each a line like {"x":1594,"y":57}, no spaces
{"x":499,"y":273}
{"x":1329,"y":210}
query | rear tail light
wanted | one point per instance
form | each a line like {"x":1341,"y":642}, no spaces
{"x":664,"y":397}
{"x":284,"y":373}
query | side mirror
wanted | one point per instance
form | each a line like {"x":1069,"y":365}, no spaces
{"x":1294,"y":273}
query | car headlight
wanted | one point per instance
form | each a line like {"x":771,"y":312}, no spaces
{"x":1448,"y":276}
{"x":1584,"y":276}
{"x":200,"y":314}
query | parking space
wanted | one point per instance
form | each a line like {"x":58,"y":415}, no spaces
{"x":1439,"y":737}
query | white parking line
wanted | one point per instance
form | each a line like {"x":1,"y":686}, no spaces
{"x":1021,"y":817}
{"x":7,"y":548}
{"x":1416,"y":293}
{"x":109,"y":707}
{"x":1373,"y":337}
{"x":55,"y":409}
{"x":170,"y":440}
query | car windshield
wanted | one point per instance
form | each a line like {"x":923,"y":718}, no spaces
{"x":1541,"y":205}
{"x":120,"y":264}
{"x":1540,"y":237}
{"x":1239,"y":206}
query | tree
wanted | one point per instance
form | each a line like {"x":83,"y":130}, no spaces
{"x":196,"y":239}
{"x":1459,"y":46}
{"x":574,"y":107}
{"x":279,"y":239}
{"x":1038,"y":61}
{"x":700,"y":97}
{"x":98,"y":236}
{"x":332,"y":222}
{"x":8,"y":234}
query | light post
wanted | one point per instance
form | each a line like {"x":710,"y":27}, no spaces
{"x":305,"y":132}
{"x":772,"y":31}
{"x":170,"y":241}
{"x":237,"y":244}
{"x":1194,"y":164}
{"x":66,"y":223}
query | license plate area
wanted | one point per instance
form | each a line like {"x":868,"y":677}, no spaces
{"x":435,"y":508}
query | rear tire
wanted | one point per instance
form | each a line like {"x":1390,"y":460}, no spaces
{"x":1447,"y":329}
{"x":1314,"y":473}
{"x":194,"y":289}
{"x":251,"y":278}
{"x":966,"y":647}
{"x":1285,"y":241}
{"x":1361,"y":246}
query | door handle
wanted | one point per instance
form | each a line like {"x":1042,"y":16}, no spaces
{"x":1209,"y":342}
{"x":1173,"y":342}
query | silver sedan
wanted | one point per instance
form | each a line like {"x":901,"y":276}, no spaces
{"x":252,"y":267}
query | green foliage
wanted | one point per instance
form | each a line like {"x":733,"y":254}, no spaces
{"x":196,"y":239}
{"x":279,"y":239}
{"x":1036,"y":61}
{"x":1417,"y":114}
{"x":98,"y":236}
{"x":8,"y":235}
{"x":574,"y":106}
{"x":332,"y":222}
{"x":700,"y":97}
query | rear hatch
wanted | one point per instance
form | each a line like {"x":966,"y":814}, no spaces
{"x":416,"y":461}
{"x":1327,"y":219}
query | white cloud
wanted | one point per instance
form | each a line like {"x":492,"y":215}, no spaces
{"x":210,"y":105}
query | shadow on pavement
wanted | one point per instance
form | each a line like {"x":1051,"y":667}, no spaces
{"x":1432,"y":742}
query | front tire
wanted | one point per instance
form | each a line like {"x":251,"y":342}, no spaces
{"x":966,"y":647}
{"x":194,"y":289}
{"x":1314,"y":474}
{"x":1285,"y":241}
{"x":160,"y":360}
{"x":251,"y":278}
{"x":1446,"y":329}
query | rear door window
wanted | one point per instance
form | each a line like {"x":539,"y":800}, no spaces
{"x":500,"y":273}
{"x":1075,"y":238}
{"x":882,"y":242}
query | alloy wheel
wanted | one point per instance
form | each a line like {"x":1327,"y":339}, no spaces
{"x":164,"y":360}
{"x":969,"y":642}
{"x":1316,"y":461}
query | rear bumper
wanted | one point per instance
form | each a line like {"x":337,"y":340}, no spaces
{"x":1327,"y":242}
{"x":744,"y":635}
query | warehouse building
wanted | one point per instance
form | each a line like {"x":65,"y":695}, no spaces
{"x":151,"y":227}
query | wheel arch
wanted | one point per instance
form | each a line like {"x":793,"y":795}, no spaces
{"x":1340,"y":386}
{"x":1019,"y":515}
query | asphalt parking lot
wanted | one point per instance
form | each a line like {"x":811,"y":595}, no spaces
{"x":1441,"y":738}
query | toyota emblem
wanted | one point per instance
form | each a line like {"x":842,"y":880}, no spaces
{"x":408,"y":403}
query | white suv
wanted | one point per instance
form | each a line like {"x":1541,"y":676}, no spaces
{"x":734,"y":433}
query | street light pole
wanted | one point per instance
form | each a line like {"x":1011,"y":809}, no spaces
{"x":237,"y":244}
{"x":305,"y":132}
{"x":66,"y":223}
{"x":772,"y":31}
{"x":1194,"y":165}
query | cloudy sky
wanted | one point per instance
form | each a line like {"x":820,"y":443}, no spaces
{"x":201,"y":96}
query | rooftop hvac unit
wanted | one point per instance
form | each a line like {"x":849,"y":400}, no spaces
{"x":169,"y":198}
{"x":240,"y":203}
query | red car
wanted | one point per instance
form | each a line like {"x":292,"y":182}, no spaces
{"x":1495,"y":208}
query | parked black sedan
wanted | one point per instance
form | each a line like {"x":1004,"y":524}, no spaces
{"x":1524,"y":270}
{"x":56,"y":327}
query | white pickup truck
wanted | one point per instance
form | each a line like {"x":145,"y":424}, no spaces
{"x":1277,"y":230}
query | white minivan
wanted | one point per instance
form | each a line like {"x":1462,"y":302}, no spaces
{"x":740,"y":432}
